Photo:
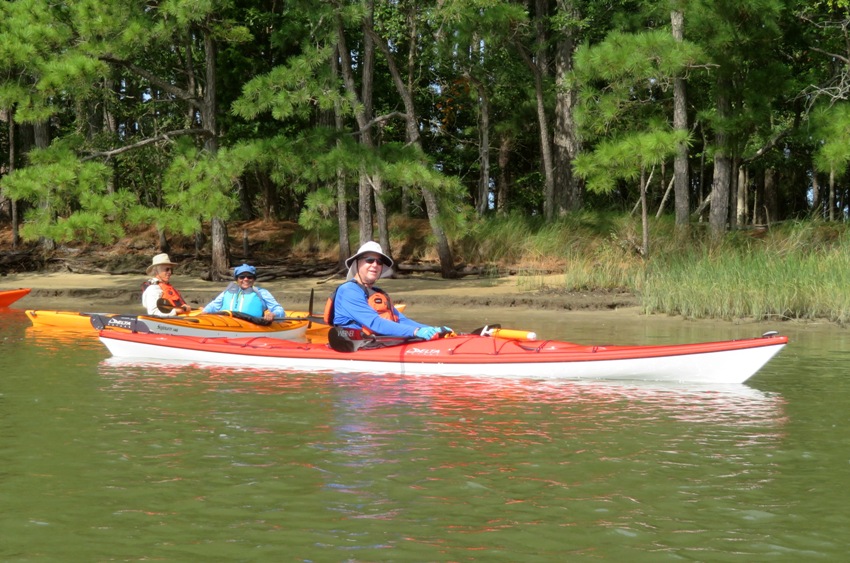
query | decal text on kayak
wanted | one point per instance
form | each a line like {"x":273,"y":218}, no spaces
{"x":422,"y":352}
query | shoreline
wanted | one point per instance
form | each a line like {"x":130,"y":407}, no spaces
{"x":462,"y":304}
{"x":432,"y":299}
{"x":122,"y":293}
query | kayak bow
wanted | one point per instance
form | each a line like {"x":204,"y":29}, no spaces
{"x":9,"y":296}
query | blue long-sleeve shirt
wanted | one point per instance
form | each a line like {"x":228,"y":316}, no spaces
{"x":351,"y":309}
{"x":268,"y":299}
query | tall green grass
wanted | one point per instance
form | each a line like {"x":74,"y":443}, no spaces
{"x":776,"y":279}
{"x":793,"y":271}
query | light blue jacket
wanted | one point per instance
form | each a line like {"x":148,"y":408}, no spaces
{"x":251,"y":302}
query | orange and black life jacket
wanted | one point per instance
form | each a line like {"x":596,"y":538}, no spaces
{"x":169,"y":292}
{"x":377,"y":298}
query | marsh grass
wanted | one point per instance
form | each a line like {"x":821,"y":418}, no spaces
{"x":796,"y":270}
{"x":779,"y":278}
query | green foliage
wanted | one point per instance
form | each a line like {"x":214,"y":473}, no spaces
{"x":832,"y":125}
{"x":108,"y":75}
{"x":319,"y":210}
{"x":622,"y":79}
{"x":624,"y":158}
{"x":200,"y":186}
{"x":69,"y":200}
{"x":627,"y":74}
{"x":291,"y":89}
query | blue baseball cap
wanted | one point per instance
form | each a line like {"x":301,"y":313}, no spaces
{"x":245,"y":269}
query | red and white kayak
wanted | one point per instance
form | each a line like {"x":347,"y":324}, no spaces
{"x":731,"y":361}
{"x":9,"y":296}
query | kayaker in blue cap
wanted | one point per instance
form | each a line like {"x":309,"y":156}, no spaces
{"x":357,"y":303}
{"x":243,"y":296}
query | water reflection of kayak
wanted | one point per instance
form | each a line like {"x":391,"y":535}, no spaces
{"x":731,"y":361}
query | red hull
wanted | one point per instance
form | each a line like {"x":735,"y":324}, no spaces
{"x":9,"y":296}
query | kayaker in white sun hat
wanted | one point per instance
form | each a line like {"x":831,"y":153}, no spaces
{"x":159,"y":297}
{"x":357,"y":303}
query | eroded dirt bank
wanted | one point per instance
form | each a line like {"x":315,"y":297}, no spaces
{"x":121,"y":293}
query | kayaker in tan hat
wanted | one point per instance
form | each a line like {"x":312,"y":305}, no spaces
{"x":359,"y":304}
{"x":159,"y":297}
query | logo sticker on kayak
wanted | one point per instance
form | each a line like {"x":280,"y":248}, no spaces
{"x":423,"y":351}
{"x":120,"y":323}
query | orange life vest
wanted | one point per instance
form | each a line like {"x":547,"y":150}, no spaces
{"x":377,"y":298}
{"x":169,"y":293}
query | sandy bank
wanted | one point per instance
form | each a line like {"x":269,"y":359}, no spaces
{"x":121,"y":293}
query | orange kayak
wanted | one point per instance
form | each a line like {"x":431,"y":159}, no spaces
{"x":315,"y":330}
{"x":204,"y":325}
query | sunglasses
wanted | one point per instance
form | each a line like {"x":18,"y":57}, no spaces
{"x":372,"y":260}
{"x":246,"y":277}
{"x":169,"y":270}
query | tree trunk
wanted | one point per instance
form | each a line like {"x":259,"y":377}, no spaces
{"x":733,"y":194}
{"x":681,"y":187}
{"x":771,"y":198}
{"x":702,"y":171}
{"x":644,"y":214}
{"x":543,"y":127}
{"x":719,"y":212}
{"x":758,"y":197}
{"x":816,"y":196}
{"x":482,"y":197}
{"x":832,"y":193}
{"x":41,"y":133}
{"x":342,"y":214}
{"x":444,"y":251}
{"x":220,"y":251}
{"x":220,"y":255}
{"x":13,"y":211}
{"x":341,"y":198}
{"x":741,"y":198}
{"x":568,"y":187}
{"x":503,"y":180}
{"x":381,"y":216}
{"x":362,"y":115}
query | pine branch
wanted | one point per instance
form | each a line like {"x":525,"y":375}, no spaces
{"x":178,"y":93}
{"x":151,"y":140}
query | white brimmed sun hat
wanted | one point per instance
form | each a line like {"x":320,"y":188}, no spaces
{"x":160,"y":260}
{"x":374,"y":248}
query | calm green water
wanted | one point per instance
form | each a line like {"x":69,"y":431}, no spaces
{"x":104,"y":461}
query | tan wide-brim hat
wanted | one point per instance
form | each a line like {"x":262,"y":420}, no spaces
{"x":160,"y":260}
{"x":374,"y":248}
